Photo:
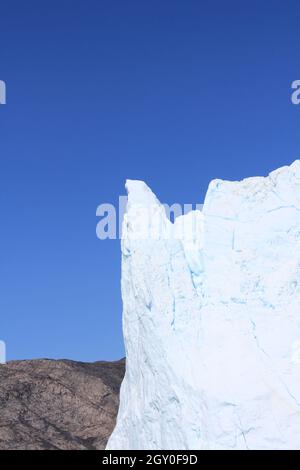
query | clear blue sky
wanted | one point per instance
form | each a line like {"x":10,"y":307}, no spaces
{"x":172,"y":92}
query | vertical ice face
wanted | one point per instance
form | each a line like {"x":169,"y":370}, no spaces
{"x":212,"y":319}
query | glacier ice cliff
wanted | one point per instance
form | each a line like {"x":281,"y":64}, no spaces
{"x":211,"y":319}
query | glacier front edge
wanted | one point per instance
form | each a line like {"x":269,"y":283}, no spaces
{"x":211,"y":320}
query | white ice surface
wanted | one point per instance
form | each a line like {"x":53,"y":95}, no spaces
{"x":211,"y":319}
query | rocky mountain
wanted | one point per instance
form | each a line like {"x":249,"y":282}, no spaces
{"x":58,"y":404}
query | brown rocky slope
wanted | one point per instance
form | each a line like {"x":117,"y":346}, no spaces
{"x":49,"y":404}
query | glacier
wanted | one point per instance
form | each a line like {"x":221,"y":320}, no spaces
{"x":211,"y":319}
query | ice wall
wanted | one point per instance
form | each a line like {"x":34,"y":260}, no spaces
{"x":211,"y":319}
